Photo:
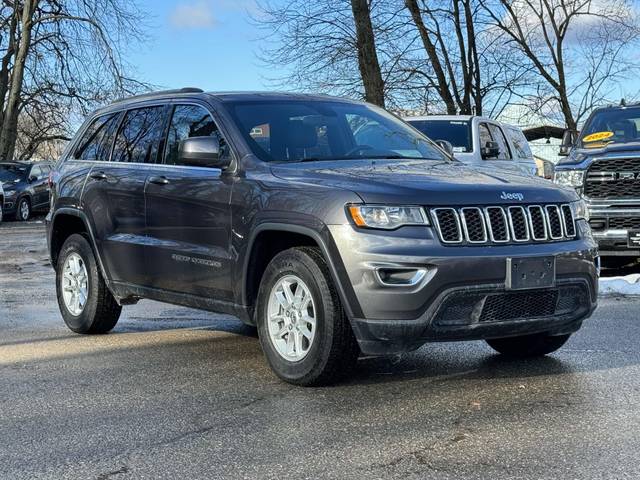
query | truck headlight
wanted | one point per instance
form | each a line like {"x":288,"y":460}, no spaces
{"x":580,"y":210}
{"x":569,"y":178}
{"x":386,"y":217}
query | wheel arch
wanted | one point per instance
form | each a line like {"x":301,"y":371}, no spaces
{"x":64,"y":223}
{"x":262,"y":249}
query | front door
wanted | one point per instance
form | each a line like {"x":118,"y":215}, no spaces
{"x":38,"y":183}
{"x":188,"y":215}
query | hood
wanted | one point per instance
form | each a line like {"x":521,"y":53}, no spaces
{"x":422,"y":182}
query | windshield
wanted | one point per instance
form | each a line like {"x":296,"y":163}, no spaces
{"x":456,"y":132}
{"x":310,"y":130}
{"x":11,"y":173}
{"x":619,"y":125}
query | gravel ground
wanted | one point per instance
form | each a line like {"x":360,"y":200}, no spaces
{"x":178,"y":393}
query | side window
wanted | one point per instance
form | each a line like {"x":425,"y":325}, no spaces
{"x":97,"y":139}
{"x":140,"y":136}
{"x":498,"y":135}
{"x":520,"y":143}
{"x":484,"y":134}
{"x":190,"y":121}
{"x":36,"y":173}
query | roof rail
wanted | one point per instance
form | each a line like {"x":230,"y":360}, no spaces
{"x":161,"y":92}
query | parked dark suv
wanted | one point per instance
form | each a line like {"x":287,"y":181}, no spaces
{"x":330,"y":224}
{"x":26,"y":188}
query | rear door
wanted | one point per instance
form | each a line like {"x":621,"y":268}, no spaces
{"x":114,"y":192}
{"x":188,"y":214}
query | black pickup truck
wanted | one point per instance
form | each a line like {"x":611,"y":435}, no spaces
{"x":602,"y":164}
{"x":332,"y":225}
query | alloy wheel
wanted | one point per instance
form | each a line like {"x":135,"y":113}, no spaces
{"x":291,"y":318}
{"x":75,"y":284}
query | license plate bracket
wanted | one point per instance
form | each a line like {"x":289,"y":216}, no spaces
{"x":530,"y":272}
{"x":633,"y":238}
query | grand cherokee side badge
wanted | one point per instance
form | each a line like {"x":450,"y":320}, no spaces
{"x":512,"y":196}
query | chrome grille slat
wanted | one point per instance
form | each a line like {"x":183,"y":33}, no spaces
{"x":473,"y":225}
{"x":519,"y":224}
{"x":537,"y":222}
{"x":504,"y":224}
{"x":497,"y":224}
{"x":446,"y":231}
{"x":554,"y":222}
{"x":568,"y":221}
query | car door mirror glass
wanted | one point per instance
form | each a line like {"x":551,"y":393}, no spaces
{"x":202,"y":152}
{"x":569,"y":138}
{"x":490,"y":150}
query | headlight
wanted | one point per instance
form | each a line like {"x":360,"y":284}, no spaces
{"x":580,"y":210}
{"x":386,"y":217}
{"x":569,"y":178}
{"x":10,"y":193}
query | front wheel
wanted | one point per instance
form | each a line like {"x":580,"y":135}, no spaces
{"x":85,"y":302}
{"x":24,"y":210}
{"x":528,"y":345}
{"x":304,"y":333}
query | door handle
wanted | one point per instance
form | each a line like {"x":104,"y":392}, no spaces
{"x":98,"y":175}
{"x":161,"y":180}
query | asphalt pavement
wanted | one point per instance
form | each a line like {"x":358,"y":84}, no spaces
{"x":178,"y":393}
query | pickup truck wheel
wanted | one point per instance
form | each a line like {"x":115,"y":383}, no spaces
{"x":85,"y":302}
{"x":303,"y":330}
{"x":528,"y":345}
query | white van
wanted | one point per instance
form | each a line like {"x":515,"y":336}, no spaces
{"x":480,"y":141}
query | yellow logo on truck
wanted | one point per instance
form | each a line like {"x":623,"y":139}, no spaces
{"x":597,"y":137}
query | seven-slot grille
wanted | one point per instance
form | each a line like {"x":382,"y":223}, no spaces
{"x":495,"y":224}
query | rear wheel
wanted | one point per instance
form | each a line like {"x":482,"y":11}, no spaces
{"x":304,"y":333}
{"x":23,"y":212}
{"x":528,"y":345}
{"x":85,"y":302}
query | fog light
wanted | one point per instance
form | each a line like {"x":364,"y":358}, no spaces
{"x":400,"y":277}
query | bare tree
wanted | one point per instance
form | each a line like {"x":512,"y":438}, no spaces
{"x":346,"y":47}
{"x":579,"y":48}
{"x":60,"y":58}
{"x":367,"y":53}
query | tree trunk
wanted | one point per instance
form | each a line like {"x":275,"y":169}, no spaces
{"x":367,"y":54}
{"x":432,"y":53}
{"x":9,"y":132}
{"x":6,"y":64}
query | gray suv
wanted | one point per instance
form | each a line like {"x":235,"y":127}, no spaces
{"x":331,"y":225}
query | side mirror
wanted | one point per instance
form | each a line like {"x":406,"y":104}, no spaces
{"x":201,"y":152}
{"x":569,"y":138}
{"x":490,"y":150}
{"x":32,"y":178}
{"x":446,"y":146}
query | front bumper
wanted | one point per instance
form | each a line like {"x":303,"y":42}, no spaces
{"x":605,"y":220}
{"x":398,"y":318}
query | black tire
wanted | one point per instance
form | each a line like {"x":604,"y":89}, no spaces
{"x":101,"y":311}
{"x":23,"y":217}
{"x":334,"y":350}
{"x":528,"y":345}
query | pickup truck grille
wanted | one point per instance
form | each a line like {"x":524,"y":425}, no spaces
{"x":501,"y":225}
{"x":613,"y":178}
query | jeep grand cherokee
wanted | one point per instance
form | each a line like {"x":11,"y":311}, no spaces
{"x":331,"y":225}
